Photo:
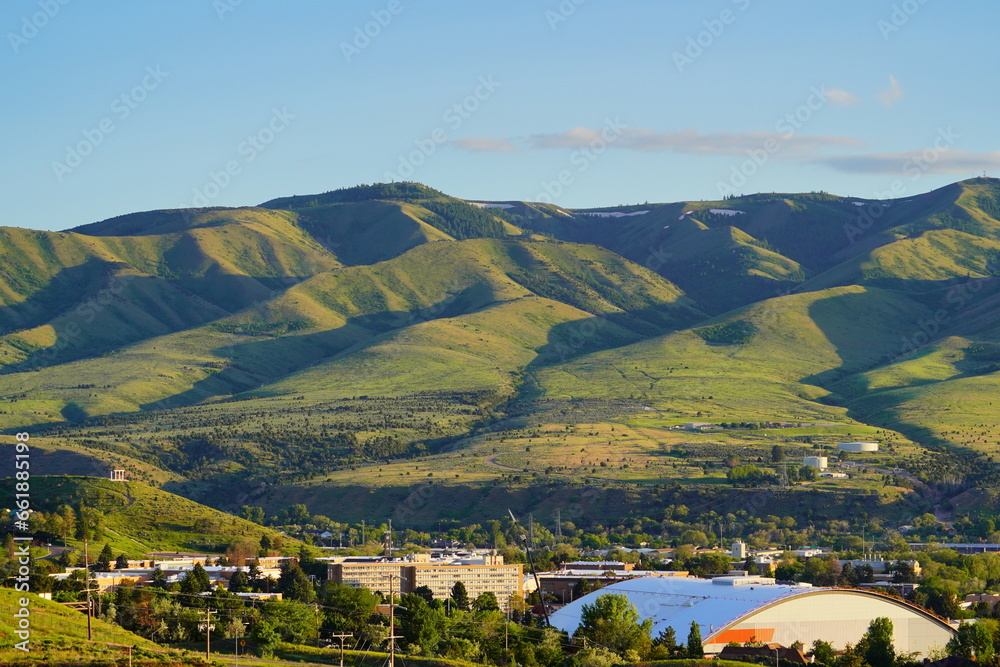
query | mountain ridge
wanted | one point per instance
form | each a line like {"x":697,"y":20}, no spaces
{"x":384,"y":322}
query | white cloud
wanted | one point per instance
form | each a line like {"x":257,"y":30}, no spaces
{"x":730,"y":143}
{"x":484,"y":145}
{"x":688,"y":141}
{"x":953,"y":162}
{"x":894,"y":93}
{"x":841,"y":98}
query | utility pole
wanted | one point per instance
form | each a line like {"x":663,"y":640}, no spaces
{"x":208,"y":632}
{"x":341,"y":638}
{"x":236,"y":646}
{"x":90,"y":604}
{"x":558,"y":525}
{"x":531,"y":562}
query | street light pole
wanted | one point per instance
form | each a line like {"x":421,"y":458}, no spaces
{"x":392,"y":622}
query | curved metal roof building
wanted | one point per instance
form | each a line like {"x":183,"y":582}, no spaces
{"x":742,"y":609}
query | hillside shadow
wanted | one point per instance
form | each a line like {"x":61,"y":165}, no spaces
{"x":288,"y":354}
{"x":842,"y":319}
{"x":597,"y":333}
{"x":60,"y":294}
{"x":434,"y":505}
{"x":850,"y":323}
{"x":96,"y":311}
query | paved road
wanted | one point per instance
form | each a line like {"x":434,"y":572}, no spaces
{"x":492,"y":460}
{"x":55,"y":552}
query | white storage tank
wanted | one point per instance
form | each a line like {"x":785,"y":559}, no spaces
{"x":818,"y":462}
{"x":858,"y":446}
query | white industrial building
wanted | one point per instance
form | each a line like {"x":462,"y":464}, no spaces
{"x":743,"y":609}
{"x":858,"y":446}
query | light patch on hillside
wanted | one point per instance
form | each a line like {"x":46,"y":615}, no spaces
{"x":613,"y":214}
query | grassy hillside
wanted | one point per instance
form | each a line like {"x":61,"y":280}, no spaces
{"x":779,"y":241}
{"x":449,"y":216}
{"x":769,"y":361}
{"x":66,"y":296}
{"x":224,"y":352}
{"x":335,"y":312}
{"x":369,"y":232}
{"x":140,"y":519}
{"x":52,"y":621}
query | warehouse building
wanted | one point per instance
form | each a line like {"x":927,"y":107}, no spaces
{"x":745,"y":609}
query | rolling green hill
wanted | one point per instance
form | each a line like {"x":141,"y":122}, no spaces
{"x":230,"y":352}
{"x":768,"y":361}
{"x":140,"y":519}
{"x":53,"y":621}
{"x":338,"y":313}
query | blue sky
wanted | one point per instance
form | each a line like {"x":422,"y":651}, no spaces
{"x":114,"y":107}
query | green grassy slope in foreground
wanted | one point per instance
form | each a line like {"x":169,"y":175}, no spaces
{"x":58,"y":636}
{"x":140,"y":519}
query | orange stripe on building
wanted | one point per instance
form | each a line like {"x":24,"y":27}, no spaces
{"x":743,"y":636}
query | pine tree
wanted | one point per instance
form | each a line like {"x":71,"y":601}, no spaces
{"x":294,"y":584}
{"x":694,"y":647}
{"x":460,"y":596}
{"x":238,"y":582}
{"x":103,"y":562}
{"x":668,"y":640}
{"x":196,"y":581}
